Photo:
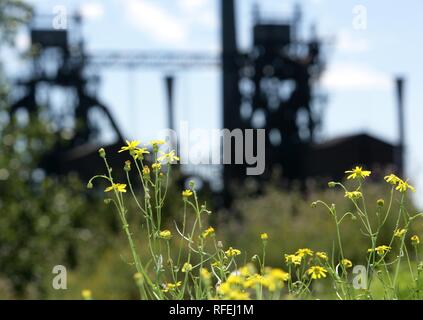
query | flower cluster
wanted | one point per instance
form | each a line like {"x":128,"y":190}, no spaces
{"x":186,"y":260}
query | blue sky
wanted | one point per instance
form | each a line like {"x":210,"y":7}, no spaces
{"x":361,"y":64}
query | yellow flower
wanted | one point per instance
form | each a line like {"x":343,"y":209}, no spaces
{"x":415,"y":240}
{"x":171,"y":286}
{"x":231,"y":252}
{"x":168,"y":157}
{"x":145,"y":171}
{"x":234,"y":279}
{"x":317,"y":272}
{"x":399,"y":233}
{"x":239,"y":295}
{"x":86,"y":294}
{"x":224,"y":288}
{"x":208,"y":232}
{"x":264,"y":236}
{"x":165,"y":234}
{"x":187,"y":267}
{"x":234,"y":294}
{"x":380,"y":249}
{"x":292,"y":258}
{"x":130,"y":146}
{"x":119,"y":187}
{"x":156,"y":166}
{"x":358,"y":172}
{"x":140,"y":152}
{"x":392,"y":179}
{"x":253,"y":281}
{"x":271,"y":283}
{"x":322,"y":255}
{"x":247,"y":270}
{"x":304,"y":252}
{"x":403,"y":186}
{"x":353,"y":195}
{"x":205,"y":274}
{"x":186,"y":193}
{"x":346,"y":263}
{"x":157,"y":142}
{"x":279,"y":274}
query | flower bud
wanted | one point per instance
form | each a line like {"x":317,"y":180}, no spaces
{"x":380,"y":203}
{"x":331,"y":184}
{"x":127,"y":166}
{"x":102,"y":153}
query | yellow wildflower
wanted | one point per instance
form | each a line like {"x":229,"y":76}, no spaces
{"x":187,"y":267}
{"x":119,"y":187}
{"x":186,"y":193}
{"x":403,"y":186}
{"x":292,"y":258}
{"x":399,"y":233}
{"x":145,"y":171}
{"x":234,"y":279}
{"x":271,"y":283}
{"x":156,"y":166}
{"x":224,"y":288}
{"x":238,"y":295}
{"x":279,"y":274}
{"x":264,"y":236}
{"x":253,"y":280}
{"x":140,"y":152}
{"x":130,"y":146}
{"x":168,"y":157}
{"x":171,"y":286}
{"x":392,"y":179}
{"x":346,"y":263}
{"x":205,"y":274}
{"x":317,"y":272}
{"x":208,"y":232}
{"x":322,"y":255}
{"x":304,"y":252}
{"x":415,"y":240}
{"x":353,"y":195}
{"x":86,"y":294}
{"x":247,"y":270}
{"x":165,"y":234}
{"x":380,"y":250}
{"x":358,"y":172}
{"x":157,"y":142}
{"x":231,"y":252}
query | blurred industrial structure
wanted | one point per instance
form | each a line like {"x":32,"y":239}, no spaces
{"x":272,"y":86}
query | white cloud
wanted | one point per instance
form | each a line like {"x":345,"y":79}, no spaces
{"x":351,"y":42}
{"x":153,"y":19}
{"x":350,"y":76}
{"x":92,"y":10}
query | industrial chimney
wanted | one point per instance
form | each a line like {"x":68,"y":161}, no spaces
{"x":399,"y":157}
